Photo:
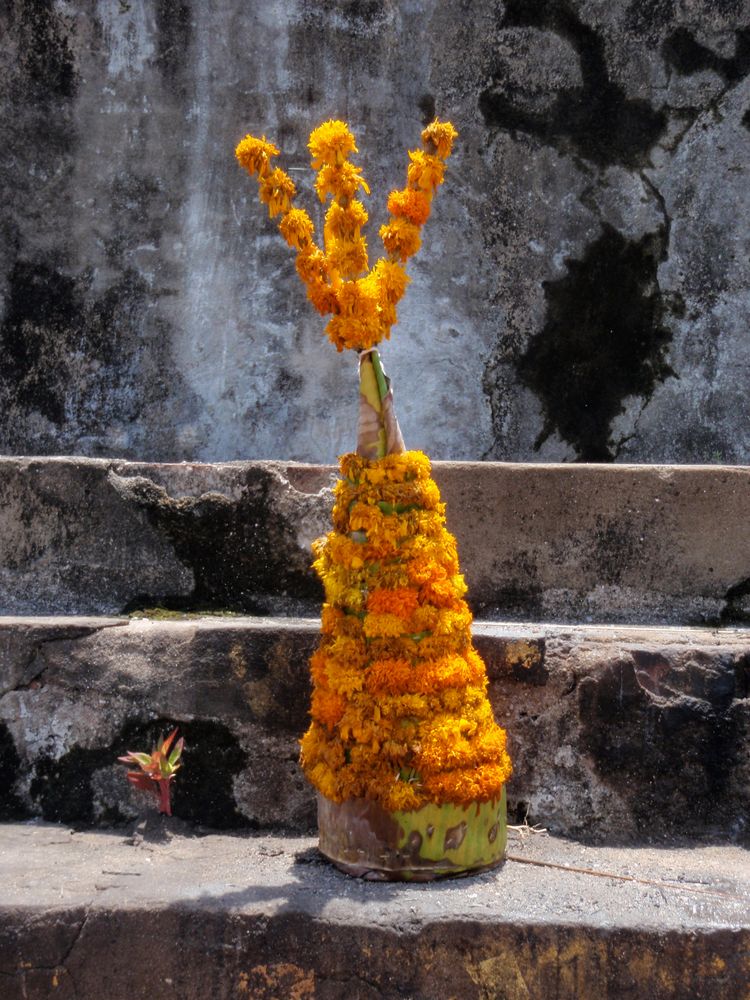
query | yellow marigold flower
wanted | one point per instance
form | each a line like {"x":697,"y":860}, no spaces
{"x":391,"y":281}
{"x":344,"y":680}
{"x":297,"y":228}
{"x":343,"y":222}
{"x":383,"y":625}
{"x":441,"y":135}
{"x":348,"y":257}
{"x":402,"y":797}
{"x":425,"y":172}
{"x":322,"y":296}
{"x":311,"y":265}
{"x":255,"y":154}
{"x":331,"y":143}
{"x":356,"y":300}
{"x":351,"y":465}
{"x":425,"y":618}
{"x":342,"y":182}
{"x":364,"y":517}
{"x":401,"y":238}
{"x":277,"y":190}
{"x":410,"y":204}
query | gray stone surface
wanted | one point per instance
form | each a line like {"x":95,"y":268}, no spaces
{"x":618,"y":735}
{"x":84,"y":915}
{"x":663,"y":544}
{"x":582,"y":291}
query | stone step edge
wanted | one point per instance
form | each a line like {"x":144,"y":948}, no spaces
{"x":501,"y":629}
{"x":266,"y":916}
{"x":597,"y":719}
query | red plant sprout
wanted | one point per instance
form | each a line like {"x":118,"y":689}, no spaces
{"x":157,"y":769}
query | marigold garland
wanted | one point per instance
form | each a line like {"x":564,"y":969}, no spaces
{"x":399,"y":708}
{"x":361,"y":316}
{"x":399,"y":711}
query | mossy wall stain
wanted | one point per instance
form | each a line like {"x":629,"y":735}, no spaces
{"x":202,"y":791}
{"x":596,"y":120}
{"x":603,"y":339}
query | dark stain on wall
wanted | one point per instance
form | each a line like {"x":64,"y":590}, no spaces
{"x":44,"y":305}
{"x":687,"y":724}
{"x":54,"y":331}
{"x":46,"y":62}
{"x":736,"y":610}
{"x":202,"y":790}
{"x":647,"y":20}
{"x":174,"y":30}
{"x":596,"y":120}
{"x":368,"y":13}
{"x":11,"y":806}
{"x":686,"y":55}
{"x":426,"y":105}
{"x":603,"y":340}
{"x":233,"y":563}
{"x":746,"y":119}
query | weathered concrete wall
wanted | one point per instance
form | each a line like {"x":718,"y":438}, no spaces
{"x":582,"y":292}
{"x":599,"y":543}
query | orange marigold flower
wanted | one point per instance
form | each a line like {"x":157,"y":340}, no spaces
{"x":425,"y":172}
{"x":410,"y":204}
{"x":255,"y":154}
{"x":472,"y":784}
{"x":327,"y":707}
{"x":297,"y":228}
{"x":311,"y":264}
{"x":441,"y":135}
{"x":330,"y":618}
{"x":331,"y":143}
{"x":388,"y":676}
{"x":401,"y":238}
{"x":402,"y":602}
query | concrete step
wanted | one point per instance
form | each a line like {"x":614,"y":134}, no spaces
{"x":618,"y":734}
{"x":598,"y":543}
{"x":226,"y":917}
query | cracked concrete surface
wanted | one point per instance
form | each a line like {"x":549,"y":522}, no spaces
{"x":267,"y":917}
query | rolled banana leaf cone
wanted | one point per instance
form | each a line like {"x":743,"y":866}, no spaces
{"x":436,"y":841}
{"x":378,"y":432}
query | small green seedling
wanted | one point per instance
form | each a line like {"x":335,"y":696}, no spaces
{"x":157,"y":769}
